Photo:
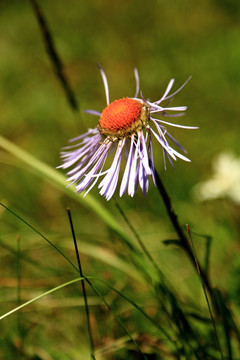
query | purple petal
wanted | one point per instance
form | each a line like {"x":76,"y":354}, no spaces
{"x":132,"y":177}
{"x":176,"y":142}
{"x":101,"y":151}
{"x":163,"y":144}
{"x":143,"y":153}
{"x":143,"y":178}
{"x":109,"y":182}
{"x":151,"y":160}
{"x":92,"y":112}
{"x":181,"y":87}
{"x":180,"y":155}
{"x":166,"y":91}
{"x":176,"y":125}
{"x":127,"y":170}
{"x":90,"y":132}
{"x":89,"y":178}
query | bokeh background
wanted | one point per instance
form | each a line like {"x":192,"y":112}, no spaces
{"x":164,"y":40}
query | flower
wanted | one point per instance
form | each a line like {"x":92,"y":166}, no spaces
{"x":125,"y":127}
{"x":224,"y":182}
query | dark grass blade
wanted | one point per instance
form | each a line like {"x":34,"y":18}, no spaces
{"x":205,"y":294}
{"x":116,"y":317}
{"x":88,"y":281}
{"x":151,"y":319}
{"x":177,"y":316}
{"x":187,"y":333}
{"x":38,"y":232}
{"x":95,"y":289}
{"x":188,"y":336}
{"x":209,"y":240}
{"x":53,"y":54}
{"x":228,"y":323}
{"x":83,"y":285}
{"x":174,"y":220}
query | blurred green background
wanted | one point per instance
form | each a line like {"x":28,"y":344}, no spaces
{"x":164,"y":40}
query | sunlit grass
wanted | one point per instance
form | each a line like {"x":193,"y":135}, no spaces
{"x":164,"y":40}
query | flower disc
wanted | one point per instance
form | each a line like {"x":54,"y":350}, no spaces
{"x":120,"y":116}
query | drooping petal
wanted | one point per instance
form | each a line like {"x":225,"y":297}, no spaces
{"x":166,"y":155}
{"x":176,"y":142}
{"x":90,"y":152}
{"x":127,"y":170}
{"x":113,"y":184}
{"x":151,"y":159}
{"x":164,"y":144}
{"x":109,"y":182}
{"x":143,"y":178}
{"x":88,"y":133}
{"x":181,"y":156}
{"x":101,"y":151}
{"x":143,"y":154}
{"x":96,"y":177}
{"x":89,"y":177}
{"x":132,"y":177}
{"x":172,"y":152}
{"x":71,"y":157}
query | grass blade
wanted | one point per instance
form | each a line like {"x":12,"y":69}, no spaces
{"x":205,"y":293}
{"x":83,"y":284}
{"x":39,"y":297}
{"x":53,"y":54}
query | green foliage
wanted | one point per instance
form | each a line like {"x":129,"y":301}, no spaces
{"x":166,"y":315}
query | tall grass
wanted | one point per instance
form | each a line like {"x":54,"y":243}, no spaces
{"x":138,"y":299}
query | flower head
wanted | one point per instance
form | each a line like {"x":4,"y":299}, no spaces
{"x":125,"y":128}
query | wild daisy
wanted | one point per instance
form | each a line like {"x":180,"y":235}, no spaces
{"x":125,"y":131}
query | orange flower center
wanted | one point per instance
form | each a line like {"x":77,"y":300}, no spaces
{"x":122,"y":117}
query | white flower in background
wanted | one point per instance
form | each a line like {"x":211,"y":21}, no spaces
{"x":225,"y":181}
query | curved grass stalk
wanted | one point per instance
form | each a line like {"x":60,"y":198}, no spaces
{"x":53,"y":176}
{"x":40,"y":234}
{"x":58,"y":180}
{"x":39,"y":297}
{"x":69,"y":283}
{"x":90,"y":250}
